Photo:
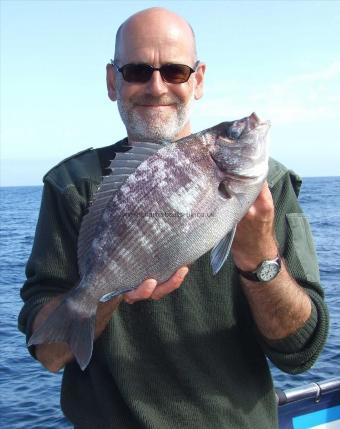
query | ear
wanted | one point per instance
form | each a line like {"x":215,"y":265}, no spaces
{"x":199,"y":78}
{"x":111,"y":82}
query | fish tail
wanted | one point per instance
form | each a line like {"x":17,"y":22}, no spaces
{"x":72,"y":323}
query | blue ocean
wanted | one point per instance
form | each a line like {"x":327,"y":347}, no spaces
{"x":29,"y":395}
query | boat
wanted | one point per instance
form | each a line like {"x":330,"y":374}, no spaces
{"x":313,"y":406}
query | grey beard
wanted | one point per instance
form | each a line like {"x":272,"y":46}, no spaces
{"x":155,"y":129}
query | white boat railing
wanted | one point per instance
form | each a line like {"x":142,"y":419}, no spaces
{"x":313,"y":390}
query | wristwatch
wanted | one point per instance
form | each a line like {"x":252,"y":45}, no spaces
{"x":265,"y":271}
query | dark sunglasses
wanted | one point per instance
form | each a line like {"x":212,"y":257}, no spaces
{"x":141,"y":73}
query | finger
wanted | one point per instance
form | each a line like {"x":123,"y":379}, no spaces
{"x":261,"y":198}
{"x":263,"y":206}
{"x":265,"y":192}
{"x":143,"y":291}
{"x":170,"y":285}
{"x":265,"y":201}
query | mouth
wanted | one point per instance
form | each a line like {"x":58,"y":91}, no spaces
{"x":155,"y":106}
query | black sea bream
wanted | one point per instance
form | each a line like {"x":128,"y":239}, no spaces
{"x":162,"y":207}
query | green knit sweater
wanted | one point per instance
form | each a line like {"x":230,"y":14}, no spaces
{"x":194,"y":359}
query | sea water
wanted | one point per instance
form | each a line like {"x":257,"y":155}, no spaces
{"x":29,"y":395}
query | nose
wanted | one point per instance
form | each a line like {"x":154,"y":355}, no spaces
{"x":156,"y":85}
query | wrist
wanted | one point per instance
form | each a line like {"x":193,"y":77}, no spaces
{"x":250,"y":262}
{"x":250,"y":254}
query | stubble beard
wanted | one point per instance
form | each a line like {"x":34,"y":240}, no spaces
{"x":154,"y":125}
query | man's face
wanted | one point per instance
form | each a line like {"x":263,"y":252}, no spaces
{"x":156,"y":110}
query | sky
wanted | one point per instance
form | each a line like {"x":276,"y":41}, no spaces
{"x":280,"y":59}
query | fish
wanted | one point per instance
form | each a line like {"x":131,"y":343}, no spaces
{"x":162,"y":206}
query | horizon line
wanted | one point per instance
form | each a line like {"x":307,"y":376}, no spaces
{"x":42,"y":184}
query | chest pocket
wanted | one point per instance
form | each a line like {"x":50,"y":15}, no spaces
{"x":300,"y":234}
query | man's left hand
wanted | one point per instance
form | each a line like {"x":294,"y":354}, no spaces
{"x":254,"y":239}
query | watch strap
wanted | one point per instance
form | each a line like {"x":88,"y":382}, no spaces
{"x":252,"y":275}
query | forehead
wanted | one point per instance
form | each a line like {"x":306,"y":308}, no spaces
{"x":156,"y":44}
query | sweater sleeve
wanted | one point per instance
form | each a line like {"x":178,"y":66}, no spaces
{"x":52,"y":267}
{"x":299,"y":351}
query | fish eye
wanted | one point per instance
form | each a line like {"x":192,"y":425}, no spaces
{"x":223,"y":191}
{"x":235,"y":130}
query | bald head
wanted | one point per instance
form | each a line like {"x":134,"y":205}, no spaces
{"x":155,"y":26}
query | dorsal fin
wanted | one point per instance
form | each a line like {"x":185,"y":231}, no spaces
{"x":122,"y":166}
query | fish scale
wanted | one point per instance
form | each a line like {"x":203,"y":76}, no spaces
{"x":169,"y":204}
{"x":142,"y":256}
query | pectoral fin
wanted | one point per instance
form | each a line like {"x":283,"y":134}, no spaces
{"x":221,"y":251}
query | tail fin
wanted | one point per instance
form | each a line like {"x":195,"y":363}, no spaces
{"x":69,"y":323}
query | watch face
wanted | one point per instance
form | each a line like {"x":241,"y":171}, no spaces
{"x":268,"y":271}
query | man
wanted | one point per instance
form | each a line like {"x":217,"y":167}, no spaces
{"x":190,"y":356}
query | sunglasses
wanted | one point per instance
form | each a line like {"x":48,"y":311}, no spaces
{"x":141,"y":73}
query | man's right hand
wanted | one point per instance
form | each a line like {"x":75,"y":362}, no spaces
{"x":150,"y":290}
{"x":55,"y":356}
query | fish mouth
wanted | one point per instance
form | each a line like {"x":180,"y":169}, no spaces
{"x":255,"y":122}
{"x":246,"y":125}
{"x":254,"y":118}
